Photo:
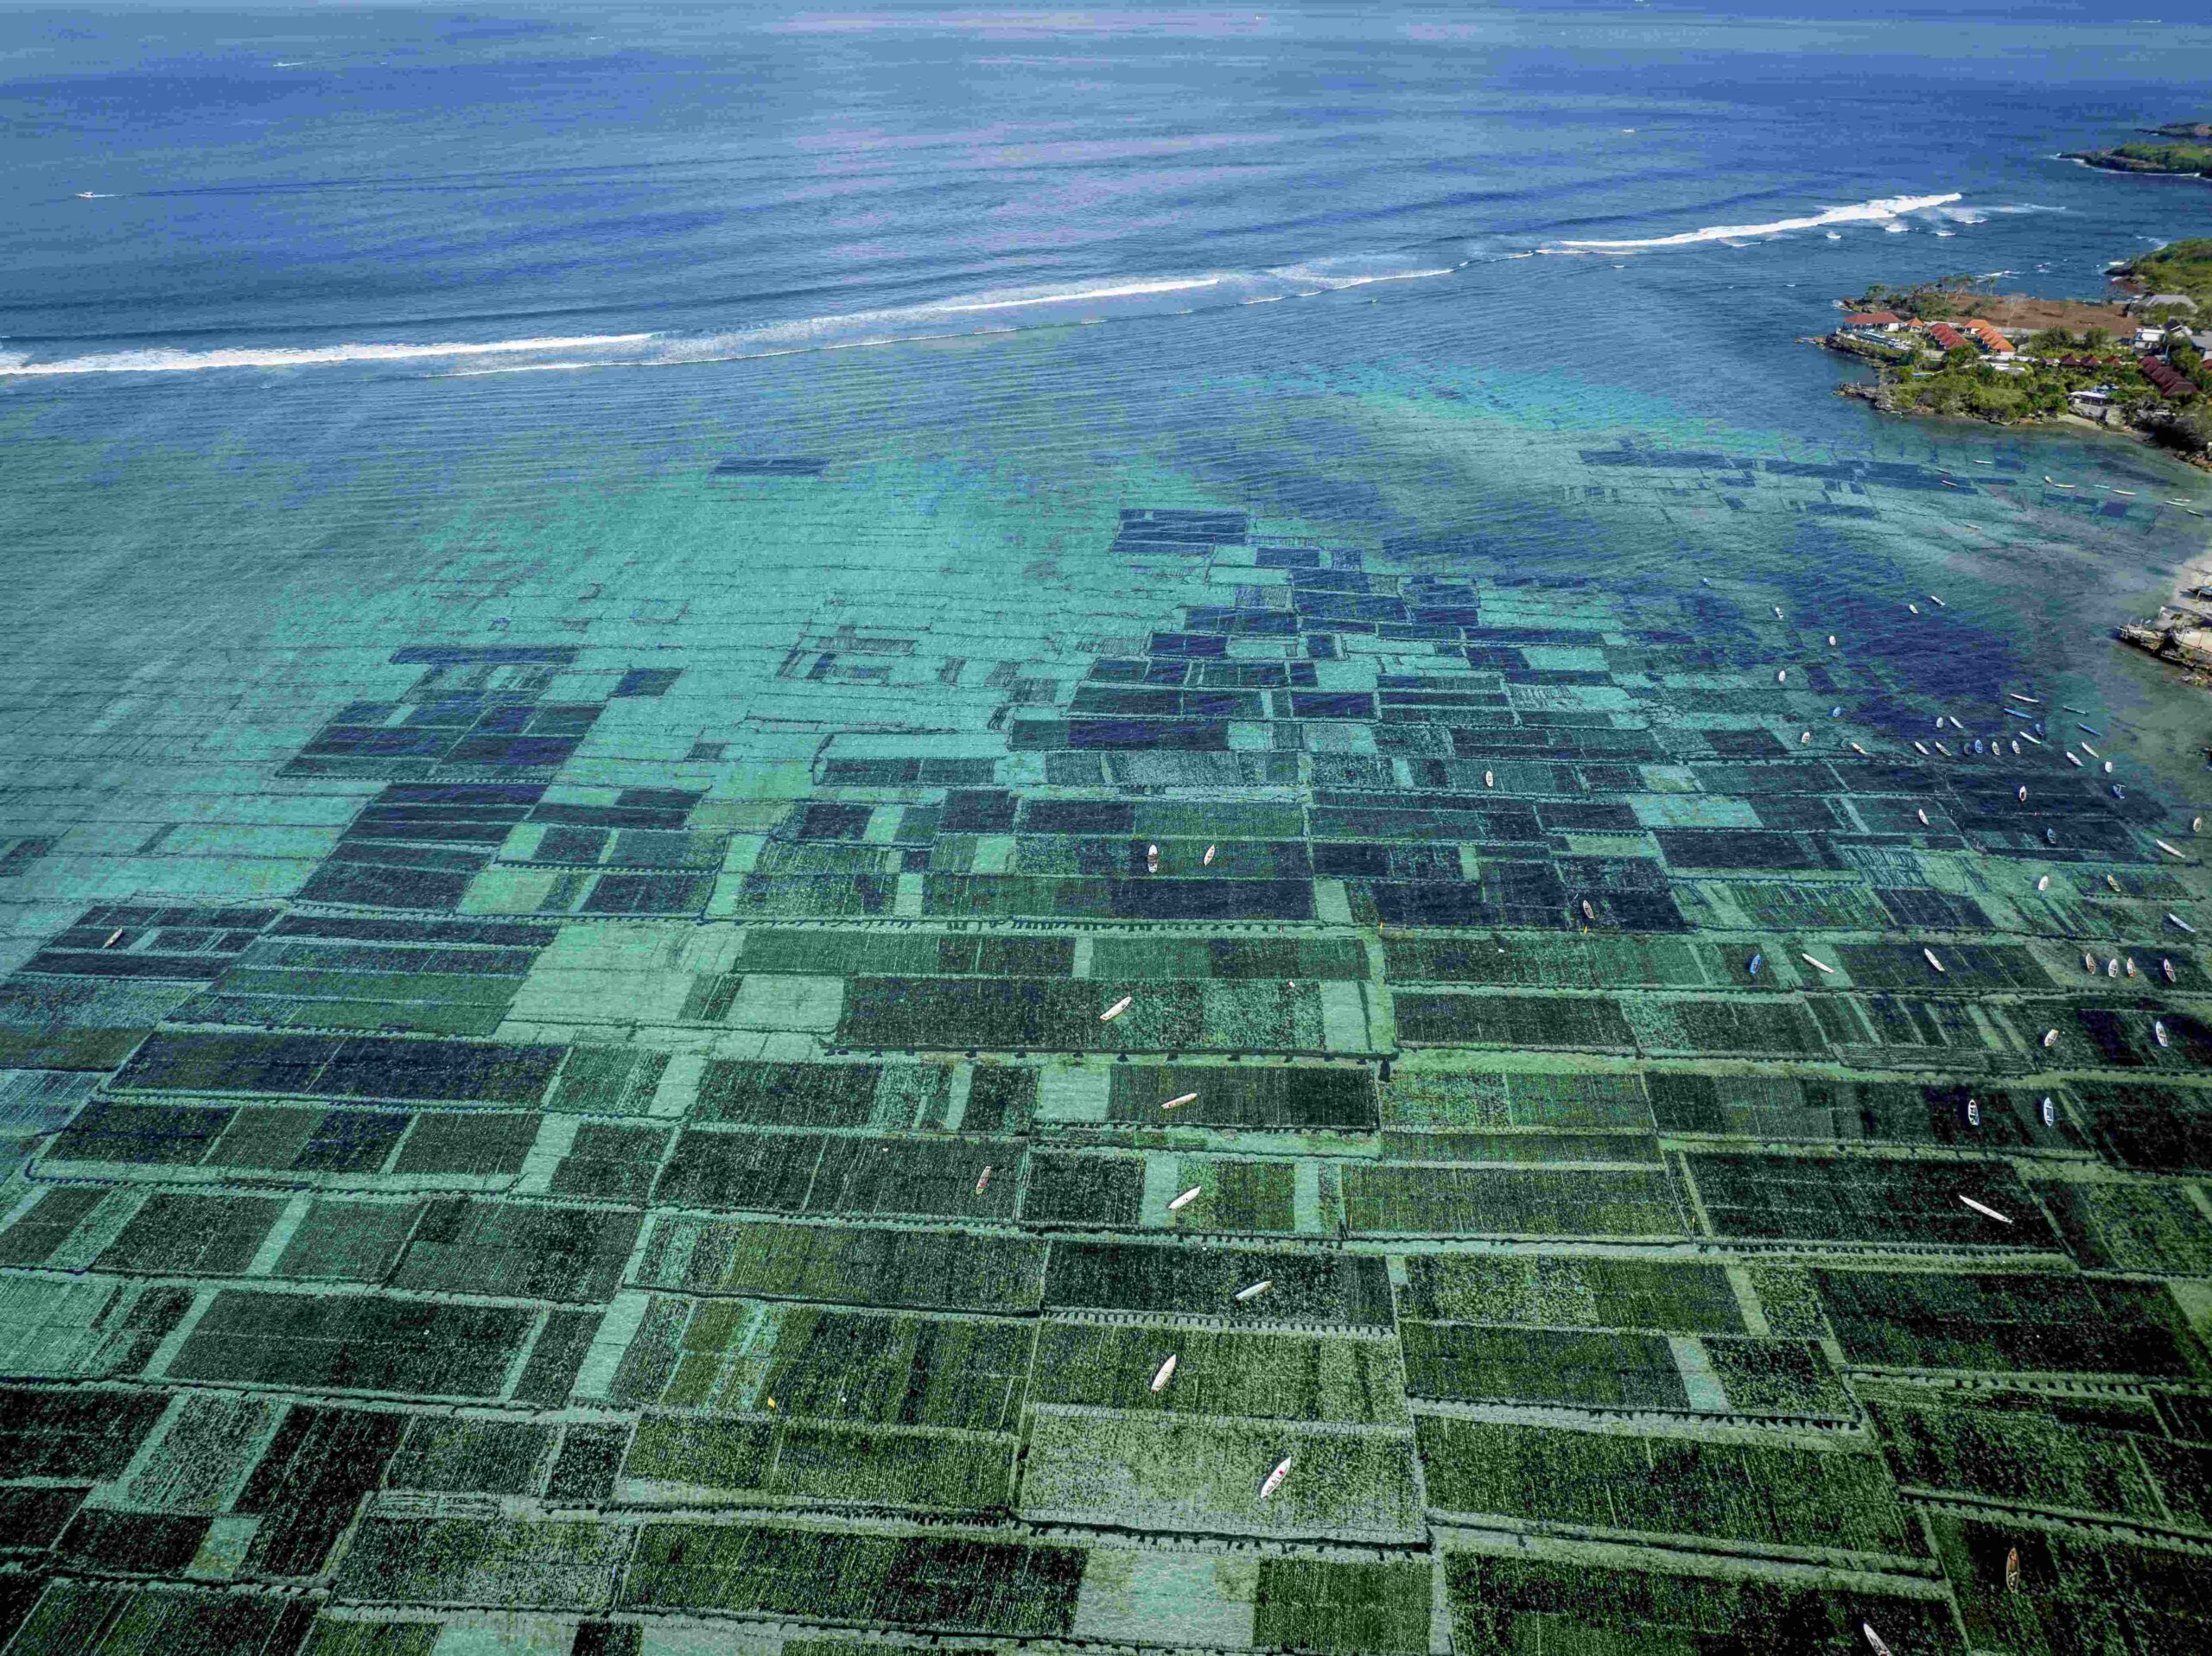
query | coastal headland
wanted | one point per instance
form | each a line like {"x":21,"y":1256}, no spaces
{"x":2183,"y":149}
{"x":2131,"y":361}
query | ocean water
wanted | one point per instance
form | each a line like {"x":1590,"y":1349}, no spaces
{"x":353,"y":286}
{"x":628,"y":623}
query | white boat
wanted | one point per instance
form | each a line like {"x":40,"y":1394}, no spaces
{"x":1116,"y":1010}
{"x":1983,"y":1208}
{"x":1186,"y":1199}
{"x":1165,"y":1373}
{"x":1246,"y":1295}
{"x":1180,"y":1100}
{"x":1273,"y":1481}
{"x":1930,"y":954}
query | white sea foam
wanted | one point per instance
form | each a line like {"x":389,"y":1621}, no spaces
{"x":1883,"y":210}
{"x":162,"y":359}
{"x":1074,"y":296}
{"x":992,"y":311}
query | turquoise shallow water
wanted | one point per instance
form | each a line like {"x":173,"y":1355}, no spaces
{"x":743,"y":752}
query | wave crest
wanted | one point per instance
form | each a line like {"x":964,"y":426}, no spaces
{"x":1884,"y":210}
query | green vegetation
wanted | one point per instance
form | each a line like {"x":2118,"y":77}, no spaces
{"x":2185,"y":158}
{"x":1927,"y":302}
{"x":1960,"y":382}
{"x":2178,"y":267}
{"x":1779,"y":1496}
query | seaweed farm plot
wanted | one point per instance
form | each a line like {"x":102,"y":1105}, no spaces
{"x":1320,"y":1105}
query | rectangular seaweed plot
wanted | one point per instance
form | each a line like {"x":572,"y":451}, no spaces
{"x":1667,"y":1297}
{"x":945,"y":1270}
{"x":1277,"y":1099}
{"x":81,"y":1434}
{"x":2076,"y":1593}
{"x":1423,"y":1199}
{"x":1866,"y":1199}
{"x":702,"y":1459}
{"x":1513,"y":1606}
{"x":939,"y":1583}
{"x":2148,"y":1126}
{"x":816,"y":1172}
{"x":2022,"y":1450}
{"x":342,"y":1067}
{"x":940,"y":1013}
{"x":1603,"y":1369}
{"x":2039,"y":1323}
{"x":1246,"y":1375}
{"x":1780,"y":1497}
{"x":1204,"y":1476}
{"x":1587,"y":1023}
{"x":352,"y":1343}
{"x":532,"y":1251}
{"x":1346,"y":1290}
{"x":2136,"y":1226}
{"x":885,"y":1369}
{"x":522,"y":1562}
{"x":1327,"y":1604}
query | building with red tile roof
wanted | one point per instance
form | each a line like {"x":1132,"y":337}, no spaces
{"x":1988,"y":333}
{"x":2169,"y":383}
{"x":1947,"y":337}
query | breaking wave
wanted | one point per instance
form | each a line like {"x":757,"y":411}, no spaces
{"x":993,"y":311}
{"x":1884,"y":209}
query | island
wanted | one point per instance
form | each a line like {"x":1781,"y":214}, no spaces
{"x":2185,"y":150}
{"x":2134,"y":362}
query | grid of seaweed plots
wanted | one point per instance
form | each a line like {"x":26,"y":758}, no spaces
{"x":1391,"y":1111}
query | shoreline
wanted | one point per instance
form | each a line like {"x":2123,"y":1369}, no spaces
{"x":1875,"y":394}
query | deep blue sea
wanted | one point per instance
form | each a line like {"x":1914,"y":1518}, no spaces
{"x":311,"y":317}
